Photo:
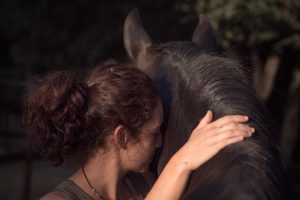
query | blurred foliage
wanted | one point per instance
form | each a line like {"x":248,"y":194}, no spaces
{"x":38,"y":36}
{"x":252,"y":23}
{"x":46,"y":35}
{"x":42,"y":35}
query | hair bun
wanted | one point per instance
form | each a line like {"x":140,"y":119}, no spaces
{"x":56,"y":110}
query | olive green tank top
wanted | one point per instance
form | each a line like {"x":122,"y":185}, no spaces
{"x":72,"y":190}
{"x":76,"y":193}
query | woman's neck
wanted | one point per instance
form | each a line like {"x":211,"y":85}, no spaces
{"x":105,"y":174}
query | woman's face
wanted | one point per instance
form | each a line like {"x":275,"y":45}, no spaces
{"x":149,"y":139}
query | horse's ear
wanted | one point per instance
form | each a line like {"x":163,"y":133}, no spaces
{"x":136,"y":39}
{"x":203,"y":35}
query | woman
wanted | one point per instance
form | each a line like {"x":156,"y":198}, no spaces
{"x":111,"y":124}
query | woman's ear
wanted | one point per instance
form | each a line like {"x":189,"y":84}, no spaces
{"x":121,"y":136}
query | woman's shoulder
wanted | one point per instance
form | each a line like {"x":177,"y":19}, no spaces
{"x":56,"y":195}
{"x":67,"y":190}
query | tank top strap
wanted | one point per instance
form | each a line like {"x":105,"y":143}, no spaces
{"x":72,"y":190}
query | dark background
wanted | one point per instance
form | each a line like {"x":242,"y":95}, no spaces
{"x":39,"y":36}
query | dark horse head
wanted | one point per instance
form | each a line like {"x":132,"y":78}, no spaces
{"x":193,"y":79}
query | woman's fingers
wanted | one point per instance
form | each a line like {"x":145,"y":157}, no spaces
{"x":236,"y":126}
{"x":230,"y":119}
{"x":229,"y":134}
{"x":231,"y":129}
{"x":208,"y":138}
{"x":205,"y":120}
{"x":222,"y":144}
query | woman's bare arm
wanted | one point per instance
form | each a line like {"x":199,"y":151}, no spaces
{"x":207,"y":139}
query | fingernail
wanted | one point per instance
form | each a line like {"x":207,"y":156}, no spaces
{"x":252,"y":130}
{"x":246,"y":117}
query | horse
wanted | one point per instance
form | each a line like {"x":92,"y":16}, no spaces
{"x":193,"y":78}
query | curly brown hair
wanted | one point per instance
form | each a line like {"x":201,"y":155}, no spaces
{"x":71,"y":119}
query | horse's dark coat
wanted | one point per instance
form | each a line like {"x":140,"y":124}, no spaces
{"x":191,"y":81}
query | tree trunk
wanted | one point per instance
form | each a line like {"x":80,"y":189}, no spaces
{"x":290,"y":127}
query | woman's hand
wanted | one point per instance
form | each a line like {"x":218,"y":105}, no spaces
{"x":208,"y":138}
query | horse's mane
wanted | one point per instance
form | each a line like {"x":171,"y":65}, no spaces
{"x":204,"y":82}
{"x":193,"y":80}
